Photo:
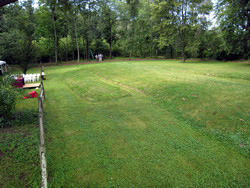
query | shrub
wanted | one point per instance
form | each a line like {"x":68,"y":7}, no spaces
{"x":8,"y":95}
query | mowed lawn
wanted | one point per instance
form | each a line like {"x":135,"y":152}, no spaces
{"x":148,"y":123}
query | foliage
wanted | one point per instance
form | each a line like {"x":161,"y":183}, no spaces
{"x":108,"y":24}
{"x":181,"y":24}
{"x":8,"y":97}
{"x":235,"y":27}
{"x":69,"y":30}
{"x":17,"y":35}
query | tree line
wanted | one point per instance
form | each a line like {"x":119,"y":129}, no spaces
{"x":63,"y":30}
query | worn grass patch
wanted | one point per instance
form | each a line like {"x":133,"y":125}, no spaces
{"x":148,"y":123}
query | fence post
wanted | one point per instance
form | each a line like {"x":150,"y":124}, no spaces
{"x":44,"y":167}
{"x":43,"y":93}
{"x":44,"y":183}
{"x":42,"y":90}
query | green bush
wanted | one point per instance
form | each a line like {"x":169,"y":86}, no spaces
{"x":8,"y":95}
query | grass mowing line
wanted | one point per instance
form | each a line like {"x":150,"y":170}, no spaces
{"x":197,"y":82}
{"x":121,"y":85}
{"x":178,"y":115}
{"x":137,"y":140}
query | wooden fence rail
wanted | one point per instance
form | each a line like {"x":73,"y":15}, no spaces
{"x":41,"y":99}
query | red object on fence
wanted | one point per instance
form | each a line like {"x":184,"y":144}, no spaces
{"x":32,"y":94}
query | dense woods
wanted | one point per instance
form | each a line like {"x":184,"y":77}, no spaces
{"x":63,"y":30}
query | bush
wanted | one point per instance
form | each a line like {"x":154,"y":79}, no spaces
{"x":8,"y":97}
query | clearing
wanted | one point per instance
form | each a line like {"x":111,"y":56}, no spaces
{"x":148,"y":123}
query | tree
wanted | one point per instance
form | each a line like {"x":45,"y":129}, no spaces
{"x":133,"y":6}
{"x":88,"y":17}
{"x":27,"y":54}
{"x":179,"y":22}
{"x":18,"y":28}
{"x":53,"y":8}
{"x":44,"y":33}
{"x":108,"y":23}
{"x":234,"y":19}
{"x":71,"y":10}
{"x":61,"y":30}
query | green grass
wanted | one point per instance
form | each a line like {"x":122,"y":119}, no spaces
{"x":19,"y":148}
{"x":148,"y":123}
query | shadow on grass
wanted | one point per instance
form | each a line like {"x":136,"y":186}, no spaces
{"x":201,"y":61}
{"x":20,"y":118}
{"x":28,"y":116}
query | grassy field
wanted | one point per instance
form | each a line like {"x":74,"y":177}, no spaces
{"x":148,"y":123}
{"x":19,"y":148}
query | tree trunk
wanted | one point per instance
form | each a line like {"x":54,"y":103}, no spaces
{"x":1,"y":18}
{"x":171,"y":52}
{"x":182,"y":32}
{"x":131,"y":48}
{"x":67,"y":46}
{"x":84,"y":54}
{"x":87,"y":49}
{"x":110,"y":43}
{"x":183,"y":56}
{"x":77,"y":45}
{"x":55,"y":33}
{"x":110,"y":49}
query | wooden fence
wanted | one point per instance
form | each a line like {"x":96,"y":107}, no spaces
{"x":41,"y":99}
